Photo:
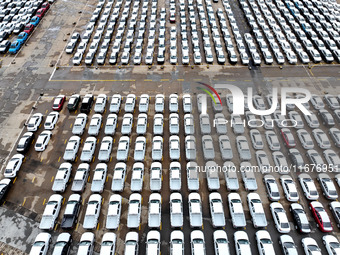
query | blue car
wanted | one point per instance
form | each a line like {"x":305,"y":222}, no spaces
{"x":35,"y":21}
{"x":15,"y":47}
{"x":22,"y":37}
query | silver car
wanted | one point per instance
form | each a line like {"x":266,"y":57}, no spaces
{"x":243,"y":148}
{"x":297,"y":118}
{"x":326,"y":117}
{"x":280,"y":162}
{"x":305,"y":139}
{"x":315,"y":159}
{"x":256,"y":139}
{"x":317,"y":102}
{"x":208,"y":147}
{"x":334,"y":133}
{"x":190,"y":148}
{"x":321,"y":139}
{"x":225,"y":147}
{"x":238,"y":124}
{"x":262,"y":161}
{"x":332,"y":102}
{"x":312,"y":120}
{"x":296,"y":157}
{"x":189,"y":128}
{"x":272,"y":140}
{"x":327,"y":186}
{"x":332,"y":159}
{"x":205,"y":124}
{"x":220,"y":124}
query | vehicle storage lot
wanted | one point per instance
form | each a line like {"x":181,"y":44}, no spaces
{"x":39,"y":169}
{"x":236,"y":32}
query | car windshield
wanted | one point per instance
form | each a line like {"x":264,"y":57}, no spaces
{"x":60,"y":244}
{"x":107,"y":243}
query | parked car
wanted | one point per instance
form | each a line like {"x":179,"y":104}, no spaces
{"x":308,"y":186}
{"x":34,"y":122}
{"x":63,"y":244}
{"x":25,"y":142}
{"x":310,"y":246}
{"x":71,"y":213}
{"x":41,"y":244}
{"x":86,"y":244}
{"x":92,"y":211}
{"x":280,"y":217}
{"x":321,"y":217}
{"x":43,"y":140}
{"x":51,"y":212}
{"x":242,"y":244}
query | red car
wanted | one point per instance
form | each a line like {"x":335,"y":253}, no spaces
{"x":40,"y":13}
{"x":321,"y":217}
{"x":29,"y":28}
{"x":45,"y":6}
{"x":58,"y":103}
{"x":288,"y":138}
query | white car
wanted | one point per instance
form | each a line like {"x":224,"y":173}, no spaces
{"x":272,"y":140}
{"x":95,"y":124}
{"x":86,"y":244}
{"x":155,"y":209}
{"x":92,"y":211}
{"x":80,"y":178}
{"x":158,"y":124}
{"x":144,"y":103}
{"x":159,"y":103}
{"x":130,"y":103}
{"x":62,"y":177}
{"x":140,"y":147}
{"x":264,"y":242}
{"x":176,"y":243}
{"x":157,"y":148}
{"x":79,"y":124}
{"x":256,"y":139}
{"x":321,"y":138}
{"x":221,"y":243}
{"x":308,"y":187}
{"x":13,"y":166}
{"x":123,"y":148}
{"x":131,"y":243}
{"x":220,"y":124}
{"x":99,"y":178}
{"x":127,"y":124}
{"x":111,"y":124}
{"x":137,"y":177}
{"x":108,"y":245}
{"x":118,"y":177}
{"x":174,"y":124}
{"x":332,"y":244}
{"x":155,"y":176}
{"x":114,"y":212}
{"x":280,"y":217}
{"x":190,"y":147}
{"x":195,"y":210}
{"x":305,"y":139}
{"x":142,"y":123}
{"x":41,"y":244}
{"x":187,"y":103}
{"x":72,"y":148}
{"x":43,"y":140}
{"x":174,"y":147}
{"x":99,"y":106}
{"x":327,"y":186}
{"x":115,"y":103}
{"x":88,"y":149}
{"x":51,"y":212}
{"x":216,"y":210}
{"x":51,"y":120}
{"x":153,"y":243}
{"x":189,"y":127}
{"x":173,"y":103}
{"x":63,"y":244}
{"x":310,"y":246}
{"x":34,"y":122}
{"x":175,"y":176}
{"x":287,"y":244}
{"x":105,"y":149}
{"x":236,"y":210}
{"x":242,"y":244}
{"x":197,"y":242}
{"x":289,"y":188}
{"x":205,"y":124}
{"x":134,"y":210}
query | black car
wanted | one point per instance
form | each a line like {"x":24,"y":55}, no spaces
{"x":4,"y":187}
{"x":63,"y":244}
{"x":73,"y":102}
{"x":300,"y":218}
{"x":25,"y":142}
{"x":4,"y":46}
{"x":3,"y":36}
{"x":86,"y":104}
{"x":71,"y":212}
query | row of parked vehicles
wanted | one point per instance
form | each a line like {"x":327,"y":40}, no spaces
{"x":19,"y":17}
{"x":295,"y":27}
